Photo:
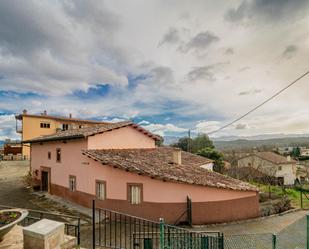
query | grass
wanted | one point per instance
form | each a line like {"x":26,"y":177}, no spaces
{"x":292,"y":193}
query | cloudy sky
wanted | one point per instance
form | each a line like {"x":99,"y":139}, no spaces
{"x":171,"y":65}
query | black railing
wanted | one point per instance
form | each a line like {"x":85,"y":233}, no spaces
{"x":72,"y":223}
{"x":117,"y":230}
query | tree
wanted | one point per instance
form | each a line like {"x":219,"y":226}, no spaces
{"x":213,"y":154}
{"x":200,"y":142}
{"x":296,"y":152}
{"x":183,"y":143}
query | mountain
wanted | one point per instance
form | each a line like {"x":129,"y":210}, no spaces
{"x":259,"y":137}
{"x":264,"y":144}
{"x":168,"y":140}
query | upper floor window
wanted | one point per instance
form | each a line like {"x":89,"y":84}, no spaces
{"x":100,"y":190}
{"x":279,"y":167}
{"x":49,"y":155}
{"x":135,"y":193}
{"x":45,"y":125}
{"x":58,"y":155}
{"x":65,"y":127}
{"x":72,"y":183}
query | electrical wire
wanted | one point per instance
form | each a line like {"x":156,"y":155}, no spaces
{"x":260,"y":105}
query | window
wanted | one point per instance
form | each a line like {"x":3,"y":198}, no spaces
{"x":49,"y":155}
{"x":58,"y":155}
{"x":45,"y":125}
{"x":280,"y":167}
{"x":72,"y":183}
{"x":135,"y":193}
{"x":80,"y":126}
{"x":100,"y":190}
{"x":65,"y":127}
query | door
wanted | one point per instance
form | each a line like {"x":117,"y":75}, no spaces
{"x":45,"y":181}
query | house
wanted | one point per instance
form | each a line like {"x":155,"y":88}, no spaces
{"x":119,"y":165}
{"x":304,"y":152}
{"x":12,"y":150}
{"x":271,"y":164}
{"x":32,"y":126}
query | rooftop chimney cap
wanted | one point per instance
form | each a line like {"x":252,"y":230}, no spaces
{"x":70,"y":115}
{"x":177,"y":156}
{"x":24,"y":111}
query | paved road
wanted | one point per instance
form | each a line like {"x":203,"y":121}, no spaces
{"x":290,"y":230}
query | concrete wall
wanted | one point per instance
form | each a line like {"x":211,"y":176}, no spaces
{"x":160,"y":199}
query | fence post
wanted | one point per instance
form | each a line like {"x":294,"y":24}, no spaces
{"x":307,"y":231}
{"x":93,"y":224}
{"x":301,"y":199}
{"x":162,"y":246}
{"x":78,"y":232}
{"x":274,"y":240}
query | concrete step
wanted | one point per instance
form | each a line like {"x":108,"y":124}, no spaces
{"x":70,"y":242}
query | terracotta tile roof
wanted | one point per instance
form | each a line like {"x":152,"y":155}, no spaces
{"x":157,"y":163}
{"x":60,"y":118}
{"x":272,"y":157}
{"x":89,"y":131}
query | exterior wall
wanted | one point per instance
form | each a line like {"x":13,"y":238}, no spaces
{"x":123,"y":138}
{"x":258,"y":163}
{"x":31,"y":128}
{"x":160,"y":199}
{"x":288,"y":171}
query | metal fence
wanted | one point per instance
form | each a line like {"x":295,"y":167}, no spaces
{"x":294,"y":236}
{"x":117,"y":230}
{"x":72,"y":223}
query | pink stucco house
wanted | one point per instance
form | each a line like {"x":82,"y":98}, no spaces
{"x":119,"y":165}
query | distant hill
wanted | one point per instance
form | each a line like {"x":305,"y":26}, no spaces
{"x":266,"y":144}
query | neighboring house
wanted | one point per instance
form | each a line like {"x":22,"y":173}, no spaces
{"x":304,"y":152}
{"x":120,"y":166}
{"x":271,"y":164}
{"x":31,"y":126}
{"x":12,"y":150}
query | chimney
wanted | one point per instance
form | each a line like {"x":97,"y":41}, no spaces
{"x":288,"y":158}
{"x":24,"y":111}
{"x":177,"y":156}
{"x":45,"y":113}
{"x":70,"y":115}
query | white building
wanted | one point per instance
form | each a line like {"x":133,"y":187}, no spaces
{"x":271,"y":164}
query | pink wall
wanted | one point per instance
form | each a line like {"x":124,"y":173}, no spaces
{"x":124,"y":138}
{"x":87,"y":171}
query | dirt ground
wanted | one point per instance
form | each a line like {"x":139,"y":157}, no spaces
{"x":13,"y":192}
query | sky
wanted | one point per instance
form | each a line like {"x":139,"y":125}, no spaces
{"x":169,"y":65}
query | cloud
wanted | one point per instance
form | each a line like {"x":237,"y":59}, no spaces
{"x":206,"y":126}
{"x":229,"y":51}
{"x":290,"y":51}
{"x":241,"y":126}
{"x":164,"y":129}
{"x":202,"y":73}
{"x":200,"y":42}
{"x":54,"y":48}
{"x":172,"y":36}
{"x":268,"y":10}
{"x":7,"y":127}
{"x":250,"y":92}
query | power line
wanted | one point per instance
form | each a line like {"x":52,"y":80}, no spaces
{"x":260,"y":105}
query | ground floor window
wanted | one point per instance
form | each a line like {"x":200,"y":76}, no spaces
{"x":72,"y":183}
{"x":100,"y":190}
{"x":135,"y":193}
